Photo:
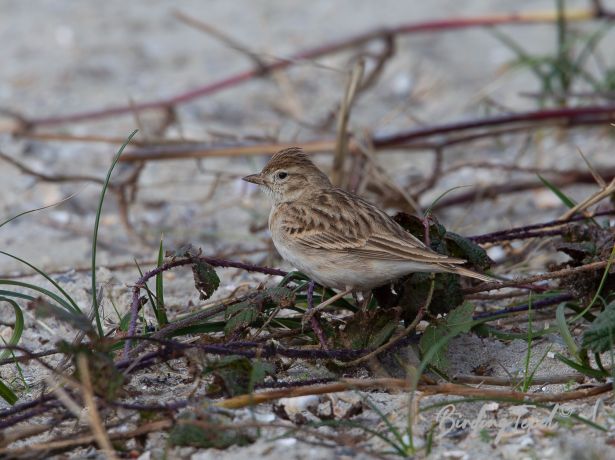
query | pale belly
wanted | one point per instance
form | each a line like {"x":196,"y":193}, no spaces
{"x":343,"y":270}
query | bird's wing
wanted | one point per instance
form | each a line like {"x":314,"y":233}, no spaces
{"x":340,"y":222}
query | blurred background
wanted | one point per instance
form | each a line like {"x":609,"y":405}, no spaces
{"x":458,"y":107}
{"x":62,"y":57}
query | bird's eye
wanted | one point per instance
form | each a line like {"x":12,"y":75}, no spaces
{"x":282,"y":175}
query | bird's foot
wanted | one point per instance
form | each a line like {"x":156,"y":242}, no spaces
{"x":309,"y":316}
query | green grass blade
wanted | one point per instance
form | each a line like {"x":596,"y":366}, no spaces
{"x":17,"y":329}
{"x":588,"y":50}
{"x":537,"y":366}
{"x":523,"y":57}
{"x":562,"y":325}
{"x":561,"y":195}
{"x":95,"y":305}
{"x":72,"y":302}
{"x":37,"y":209}
{"x":149,"y":292}
{"x":161,"y":313}
{"x":442,"y":195}
{"x":600,"y":286}
{"x":390,"y":427}
{"x":7,"y":394}
{"x":11,"y":351}
{"x":582,"y":369}
{"x":52,"y":295}
{"x":563,"y":62}
{"x":17,"y":295}
{"x":526,"y":375}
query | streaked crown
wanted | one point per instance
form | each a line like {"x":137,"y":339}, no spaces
{"x":290,"y":158}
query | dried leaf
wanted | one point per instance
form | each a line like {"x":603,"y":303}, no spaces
{"x":187,"y":250}
{"x":236,"y":375}
{"x":243,"y":314}
{"x":464,"y":248}
{"x":368,"y":329}
{"x":207,"y":432}
{"x":414,"y":292}
{"x":107,"y":380}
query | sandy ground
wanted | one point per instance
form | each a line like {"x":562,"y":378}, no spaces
{"x":60,"y":57}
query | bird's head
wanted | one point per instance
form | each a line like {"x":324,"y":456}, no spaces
{"x":289,"y":175}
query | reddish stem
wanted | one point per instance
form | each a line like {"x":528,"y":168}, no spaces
{"x":310,"y":53}
{"x":140,"y":284}
{"x":570,"y":116}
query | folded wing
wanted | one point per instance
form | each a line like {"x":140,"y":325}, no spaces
{"x":342,"y":222}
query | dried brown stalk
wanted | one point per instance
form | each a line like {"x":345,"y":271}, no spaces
{"x":222,"y":37}
{"x":341,"y":142}
{"x":404,"y":385}
{"x":98,"y":430}
{"x":508,"y":381}
{"x":74,"y":441}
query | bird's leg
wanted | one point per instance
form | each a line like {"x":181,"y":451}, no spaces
{"x":313,"y":320}
{"x":310,"y":313}
{"x":426,"y":223}
{"x":367,"y":297}
{"x":362,"y":301}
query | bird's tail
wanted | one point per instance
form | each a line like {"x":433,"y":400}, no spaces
{"x":469,"y":273}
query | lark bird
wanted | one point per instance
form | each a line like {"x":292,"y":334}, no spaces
{"x":337,"y":238}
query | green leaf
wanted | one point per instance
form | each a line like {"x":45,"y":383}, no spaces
{"x":206,"y":279}
{"x":204,"y":433}
{"x":107,"y":379}
{"x":243,"y":314}
{"x":368,"y":329}
{"x":457,"y":321}
{"x":460,"y":319}
{"x":237,"y":375}
{"x":599,"y":336}
{"x":430,"y":337}
{"x":240,"y":316}
{"x":415,"y":291}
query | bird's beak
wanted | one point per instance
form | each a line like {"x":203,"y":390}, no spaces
{"x":255,"y":179}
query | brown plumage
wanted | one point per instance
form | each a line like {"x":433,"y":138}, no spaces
{"x":337,"y":238}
